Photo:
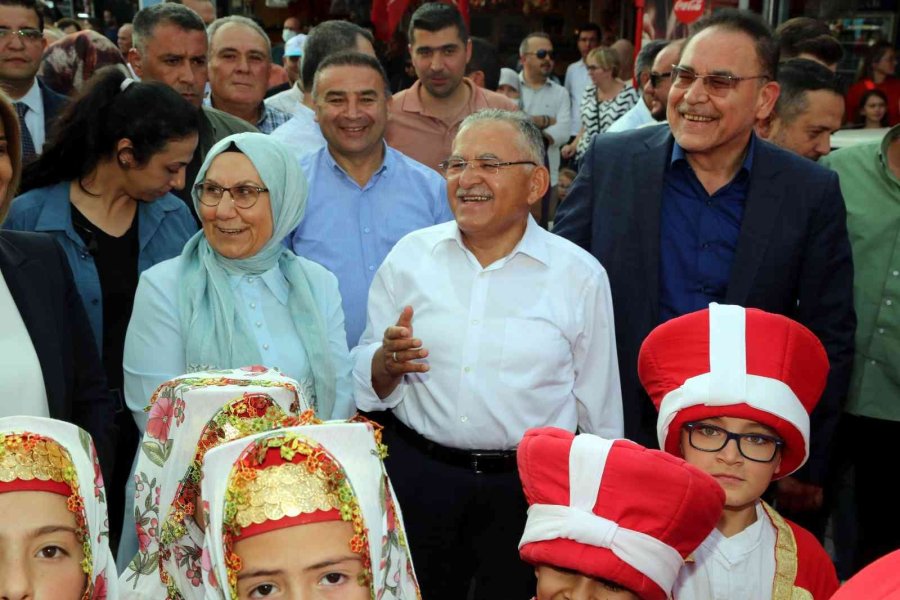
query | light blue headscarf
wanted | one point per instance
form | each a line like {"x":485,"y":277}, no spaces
{"x":216,"y":335}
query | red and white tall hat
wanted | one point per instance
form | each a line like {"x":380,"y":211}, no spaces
{"x":613,"y":509}
{"x":728,"y":361}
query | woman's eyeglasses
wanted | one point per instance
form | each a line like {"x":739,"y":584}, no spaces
{"x":243,"y":195}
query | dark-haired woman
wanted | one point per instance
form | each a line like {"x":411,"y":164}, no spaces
{"x":872,"y":113}
{"x":101,"y":188}
{"x":877,"y":74}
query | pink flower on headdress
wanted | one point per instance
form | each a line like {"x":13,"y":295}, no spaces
{"x":206,"y":565}
{"x":143,"y":537}
{"x":99,"y":588}
{"x":160,"y":419}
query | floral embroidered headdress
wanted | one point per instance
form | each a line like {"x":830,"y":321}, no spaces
{"x":189,"y":416}
{"x":46,"y":455}
{"x":300,"y":475}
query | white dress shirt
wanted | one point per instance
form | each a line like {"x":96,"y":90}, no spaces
{"x":552,"y":100}
{"x":527,"y":341}
{"x":301,"y":134}
{"x":289,"y":101}
{"x":740,"y":567}
{"x":21,"y":377}
{"x":34,"y":118}
{"x":577,"y":79}
{"x":637,"y":116}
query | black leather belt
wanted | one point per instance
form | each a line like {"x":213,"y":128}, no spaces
{"x":478,"y":461}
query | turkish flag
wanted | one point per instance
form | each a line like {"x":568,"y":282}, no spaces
{"x":386,"y":15}
{"x":463,"y":7}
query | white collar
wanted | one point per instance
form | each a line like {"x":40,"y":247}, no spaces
{"x":532,"y":243}
{"x":33,"y":99}
{"x":737,"y":548}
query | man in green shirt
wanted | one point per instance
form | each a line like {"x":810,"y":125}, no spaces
{"x":870,"y":182}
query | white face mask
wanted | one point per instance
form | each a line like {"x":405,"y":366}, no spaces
{"x":287,"y":34}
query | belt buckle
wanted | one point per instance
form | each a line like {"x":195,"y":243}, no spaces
{"x":473,"y":461}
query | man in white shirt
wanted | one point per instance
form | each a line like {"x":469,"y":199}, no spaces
{"x":21,"y":46}
{"x":479,"y":329}
{"x":546,"y":102}
{"x":302,"y":133}
{"x":577,"y":77}
{"x":639,"y":114}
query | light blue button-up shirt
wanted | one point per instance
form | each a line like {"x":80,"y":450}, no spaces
{"x":350,"y":229}
{"x":154,"y":346}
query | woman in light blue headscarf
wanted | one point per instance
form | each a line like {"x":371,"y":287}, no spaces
{"x":237,"y":296}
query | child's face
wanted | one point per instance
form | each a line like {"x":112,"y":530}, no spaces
{"x":874,"y":109}
{"x":508,"y":91}
{"x":40,"y":552}
{"x":304,"y":561}
{"x":562,"y":584}
{"x":562,"y":187}
{"x":743,"y":480}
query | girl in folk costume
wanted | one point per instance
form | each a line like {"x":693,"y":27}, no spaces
{"x":728,"y":374}
{"x":609,"y":520}
{"x":304,"y":512}
{"x":54,"y":533}
{"x":188,"y":416}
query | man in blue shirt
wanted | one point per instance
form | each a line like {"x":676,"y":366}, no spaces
{"x":703,"y":211}
{"x":364,"y":196}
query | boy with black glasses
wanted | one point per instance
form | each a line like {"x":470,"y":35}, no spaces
{"x":728,"y":374}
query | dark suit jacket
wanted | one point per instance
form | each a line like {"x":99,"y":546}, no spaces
{"x":53,"y":105}
{"x":40,"y":281}
{"x":792,"y":258}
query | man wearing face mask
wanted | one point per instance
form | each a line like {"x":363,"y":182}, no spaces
{"x":291,"y":29}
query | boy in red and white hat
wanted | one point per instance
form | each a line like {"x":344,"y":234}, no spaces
{"x":610,"y":520}
{"x":732,"y":374}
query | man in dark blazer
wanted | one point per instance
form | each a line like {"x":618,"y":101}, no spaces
{"x":21,"y":46}
{"x":702,"y":211}
{"x":41,"y":285}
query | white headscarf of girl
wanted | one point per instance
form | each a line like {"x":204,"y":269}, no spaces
{"x":189,"y":415}
{"x":43,"y":454}
{"x":344,"y":460}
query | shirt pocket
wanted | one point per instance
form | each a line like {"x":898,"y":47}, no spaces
{"x":535,"y":354}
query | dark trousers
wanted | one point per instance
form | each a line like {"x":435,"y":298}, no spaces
{"x":461,"y":525}
{"x":873,"y":450}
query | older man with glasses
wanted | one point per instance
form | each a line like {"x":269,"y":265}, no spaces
{"x":21,"y":45}
{"x":703,"y":211}
{"x":478,"y":330}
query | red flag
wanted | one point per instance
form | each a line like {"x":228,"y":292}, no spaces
{"x":386,"y":15}
{"x":463,"y":7}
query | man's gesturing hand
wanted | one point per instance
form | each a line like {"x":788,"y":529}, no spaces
{"x":397,"y":355}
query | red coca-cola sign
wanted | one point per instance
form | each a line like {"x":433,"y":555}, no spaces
{"x":688,"y":11}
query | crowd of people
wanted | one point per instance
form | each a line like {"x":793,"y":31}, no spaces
{"x":278,"y":331}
